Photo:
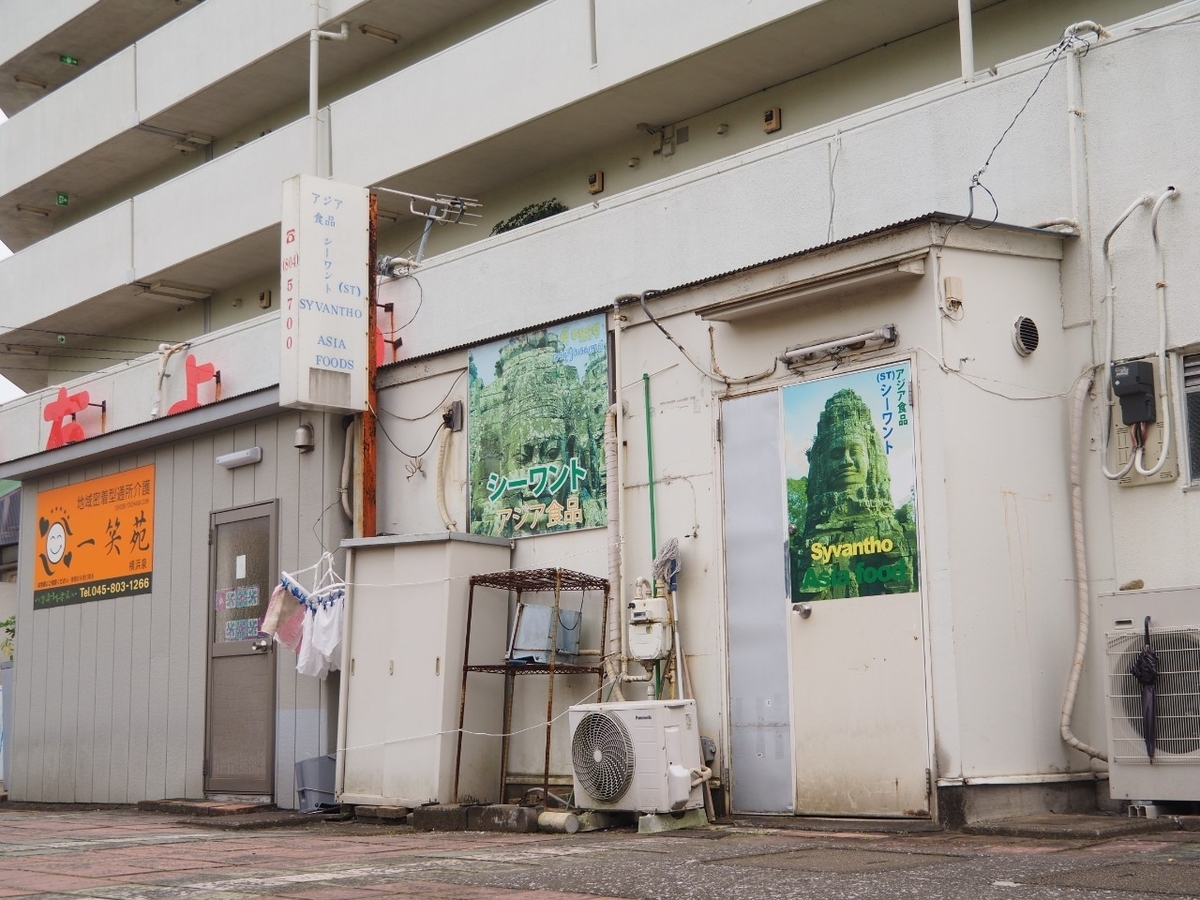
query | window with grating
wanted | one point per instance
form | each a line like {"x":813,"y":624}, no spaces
{"x":1191,"y":396}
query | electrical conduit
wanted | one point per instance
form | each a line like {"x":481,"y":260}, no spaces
{"x":1110,"y":300}
{"x":1164,"y":407}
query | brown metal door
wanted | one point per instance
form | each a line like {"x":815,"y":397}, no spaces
{"x":240,"y":750}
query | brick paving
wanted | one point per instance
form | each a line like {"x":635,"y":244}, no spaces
{"x":124,"y":854}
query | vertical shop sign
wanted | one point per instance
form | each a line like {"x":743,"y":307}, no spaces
{"x":536,"y":430}
{"x":851,"y":485}
{"x":95,"y":540}
{"x":323,"y":274}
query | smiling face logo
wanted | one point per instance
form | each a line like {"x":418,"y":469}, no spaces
{"x":55,"y":532}
{"x":56,"y":542}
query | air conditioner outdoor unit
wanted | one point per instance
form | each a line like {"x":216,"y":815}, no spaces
{"x":1174,"y":615}
{"x":637,"y":756}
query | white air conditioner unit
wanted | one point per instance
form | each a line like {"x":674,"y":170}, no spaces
{"x":1175,"y":636}
{"x":637,"y":756}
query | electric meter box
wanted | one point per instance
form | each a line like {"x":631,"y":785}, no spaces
{"x":1133,"y":384}
{"x":530,"y":641}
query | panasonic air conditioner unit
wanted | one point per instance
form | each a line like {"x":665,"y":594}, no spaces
{"x":637,"y":756}
{"x":1174,"y":774}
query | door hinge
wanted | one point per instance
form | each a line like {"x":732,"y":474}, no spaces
{"x":928,"y":782}
{"x":719,"y":420}
{"x":204,"y":769}
{"x":210,"y":537}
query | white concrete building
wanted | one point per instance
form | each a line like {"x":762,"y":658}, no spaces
{"x":767,"y":204}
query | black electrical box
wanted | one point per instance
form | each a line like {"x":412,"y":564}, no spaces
{"x":1133,"y":384}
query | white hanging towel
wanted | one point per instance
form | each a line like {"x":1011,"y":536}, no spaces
{"x":309,"y":660}
{"x":327,"y":630}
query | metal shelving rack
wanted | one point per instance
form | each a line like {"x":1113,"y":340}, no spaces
{"x":521,"y":582}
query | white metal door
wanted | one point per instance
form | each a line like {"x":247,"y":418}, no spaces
{"x":856,"y":635}
{"x":858,"y":707}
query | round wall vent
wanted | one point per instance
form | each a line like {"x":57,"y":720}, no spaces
{"x":1025,"y":335}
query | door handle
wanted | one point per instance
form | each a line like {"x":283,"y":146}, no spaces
{"x":803,"y":610}
{"x":262,"y":645}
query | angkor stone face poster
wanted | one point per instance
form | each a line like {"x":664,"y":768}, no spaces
{"x":851,"y":485}
{"x":535,"y":430}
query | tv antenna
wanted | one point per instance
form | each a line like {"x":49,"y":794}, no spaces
{"x":443,"y":209}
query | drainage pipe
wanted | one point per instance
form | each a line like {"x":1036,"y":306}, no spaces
{"x":443,"y":451}
{"x":347,"y":457}
{"x":966,"y":40}
{"x":619,"y":587}
{"x":650,"y":475}
{"x":1082,"y":386}
{"x":612,"y":489}
{"x":339,"y":778}
{"x":315,"y":36}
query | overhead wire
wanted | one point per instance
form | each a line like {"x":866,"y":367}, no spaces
{"x":1069,"y":40}
{"x":401,"y":451}
{"x":715,"y":376}
{"x":436,"y":406}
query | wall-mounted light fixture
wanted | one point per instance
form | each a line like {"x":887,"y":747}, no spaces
{"x":382,"y":33}
{"x":247,"y":457}
{"x":32,"y":210}
{"x":30,"y":81}
{"x":304,"y":440}
{"x":172,"y":292}
{"x":885,"y":336}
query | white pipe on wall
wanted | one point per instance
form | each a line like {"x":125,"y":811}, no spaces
{"x":1164,"y":407}
{"x":966,"y":40}
{"x":1110,"y":299}
{"x":315,"y":36}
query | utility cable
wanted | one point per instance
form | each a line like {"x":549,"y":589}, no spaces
{"x":1069,"y":39}
{"x":404,"y":453}
{"x":436,"y":406}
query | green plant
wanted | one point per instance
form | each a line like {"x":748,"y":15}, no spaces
{"x":530,"y":213}
{"x":8,"y":628}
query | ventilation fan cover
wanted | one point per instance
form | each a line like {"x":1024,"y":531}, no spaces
{"x":637,"y":756}
{"x":602,"y":754}
{"x":1177,"y":696}
{"x":1175,"y":635}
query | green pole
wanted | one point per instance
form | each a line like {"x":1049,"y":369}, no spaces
{"x":650,"y":478}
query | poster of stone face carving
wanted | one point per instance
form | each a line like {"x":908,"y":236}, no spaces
{"x":536,"y":430}
{"x":851,"y":485}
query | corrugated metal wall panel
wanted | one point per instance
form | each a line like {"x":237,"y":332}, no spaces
{"x":111,"y":694}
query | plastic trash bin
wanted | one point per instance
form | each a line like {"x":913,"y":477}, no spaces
{"x":315,"y":782}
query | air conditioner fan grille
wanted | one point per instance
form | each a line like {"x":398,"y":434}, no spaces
{"x":602,"y":753}
{"x":1177,"y":697}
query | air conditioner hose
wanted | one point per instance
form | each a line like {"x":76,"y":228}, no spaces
{"x":1082,"y":386}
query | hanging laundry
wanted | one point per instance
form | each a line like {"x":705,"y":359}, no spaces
{"x":313,"y":630}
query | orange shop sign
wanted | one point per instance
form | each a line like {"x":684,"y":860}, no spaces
{"x":95,"y":540}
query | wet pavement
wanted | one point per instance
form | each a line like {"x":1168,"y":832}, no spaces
{"x":124,"y":854}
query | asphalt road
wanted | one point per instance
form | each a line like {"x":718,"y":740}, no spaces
{"x":124,"y":854}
